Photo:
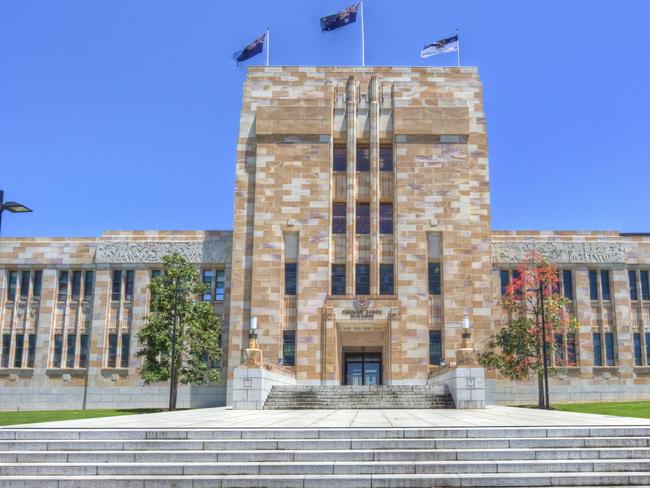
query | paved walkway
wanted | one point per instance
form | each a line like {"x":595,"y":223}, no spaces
{"x":492,"y":416}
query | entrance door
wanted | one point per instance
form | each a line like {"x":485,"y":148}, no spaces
{"x":363,"y":368}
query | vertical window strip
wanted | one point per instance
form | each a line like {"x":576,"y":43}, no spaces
{"x":504,"y":278}
{"x":129,"y":285}
{"x":604,"y":284}
{"x":363,"y":157}
{"x":126,"y":350}
{"x":386,"y":157}
{"x":598,"y":353}
{"x":593,"y":285}
{"x":435,"y":283}
{"x":647,"y":348}
{"x":76,"y":285}
{"x":116,"y":287}
{"x":567,"y":284}
{"x":207,"y":282}
{"x":645,"y":285}
{"x":31,"y":352}
{"x":289,"y":347}
{"x":290,"y":278}
{"x":220,"y":288}
{"x":83,"y":351}
{"x":89,"y":283}
{"x":638,"y":360}
{"x":338,"y":279}
{"x":610,"y":354}
{"x":63,"y":286}
{"x":340,"y":159}
{"x":386,"y":279}
{"x":11,"y":288}
{"x":112,"y":350}
{"x":572,"y":349}
{"x":58,"y":351}
{"x":363,"y":218}
{"x":24,"y":284}
{"x":634,"y":292}
{"x":435,"y":347}
{"x":339,"y":218}
{"x":18,"y":350}
{"x":70,"y":351}
{"x":37,"y":284}
{"x":385,"y":218}
{"x":362,"y":279}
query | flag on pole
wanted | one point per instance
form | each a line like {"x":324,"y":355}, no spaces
{"x":440,"y":47}
{"x":341,"y":19}
{"x":253,"y":49}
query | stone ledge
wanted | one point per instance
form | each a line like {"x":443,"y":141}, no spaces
{"x":55,"y":372}
{"x":19,"y":372}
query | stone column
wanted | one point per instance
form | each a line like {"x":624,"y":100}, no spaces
{"x":330,"y":354}
{"x":45,"y":325}
{"x":375,"y":251}
{"x":351,"y":120}
{"x":583,"y":314}
{"x":622,"y":318}
{"x":97,"y":334}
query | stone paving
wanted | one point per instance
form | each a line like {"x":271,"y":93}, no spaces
{"x":224,"y":417}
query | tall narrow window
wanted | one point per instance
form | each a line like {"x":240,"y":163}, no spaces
{"x":24,"y":285}
{"x":129,"y":285}
{"x":116,"y":291}
{"x":340,"y":162}
{"x":559,"y":350}
{"x":6,"y":347}
{"x":31,"y":353}
{"x":386,"y":279}
{"x":593,"y":285}
{"x":567,"y":284}
{"x":89,"y":279}
{"x":598,"y":353}
{"x":112,"y":350}
{"x":38,"y":284}
{"x":290,"y":270}
{"x":63,"y":286}
{"x":634,"y":292}
{"x":435,"y":347}
{"x":69,"y":355}
{"x":504,"y":278}
{"x":571,"y":349}
{"x":289,"y":347}
{"x":638,"y":360}
{"x":386,"y":157}
{"x":363,"y":218}
{"x":435,"y":286}
{"x":155,"y":273}
{"x":386,"y":218}
{"x":126,"y":351}
{"x":18,"y":352}
{"x":220,"y":285}
{"x":609,"y":349}
{"x":363,"y":157}
{"x":339,"y":220}
{"x":645,"y":285}
{"x":76,"y":285}
{"x":362,"y":279}
{"x":604,"y":284}
{"x":83,"y":351}
{"x":11,"y":288}
{"x":647,"y":347}
{"x":58,"y":351}
{"x":207,"y":282}
{"x":338,"y":279}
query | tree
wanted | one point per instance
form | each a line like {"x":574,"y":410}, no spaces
{"x":181,"y":327}
{"x":517,"y":349}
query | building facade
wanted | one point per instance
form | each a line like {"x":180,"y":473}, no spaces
{"x":361,"y":239}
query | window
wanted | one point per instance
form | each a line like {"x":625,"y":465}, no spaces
{"x":31,"y":353}
{"x":339,"y":221}
{"x":386,"y":279}
{"x":112,"y":350}
{"x":385,"y":157}
{"x":598,"y":354}
{"x":69,"y":355}
{"x":609,"y":348}
{"x":593,"y":286}
{"x":434,"y":279}
{"x":289,"y":347}
{"x":58,"y":351}
{"x":634,"y":292}
{"x":363,"y":218}
{"x":362,"y":279}
{"x":18,"y":353}
{"x":435,"y":347}
{"x":220,"y":285}
{"x":129,"y":285}
{"x":11,"y":289}
{"x":571,"y":349}
{"x":340,"y":158}
{"x":363,"y":157}
{"x":76,"y":285}
{"x":126,"y":347}
{"x":504,"y":277}
{"x":645,"y":285}
{"x":647,"y":347}
{"x":88,"y":284}
{"x":83,"y":351}
{"x":38,"y":283}
{"x":451,"y":139}
{"x":386,"y":218}
{"x":290,"y":270}
{"x":63,"y":286}
{"x":24,"y":285}
{"x":604,"y":284}
{"x":638,"y":360}
{"x":338,"y":279}
{"x":116,"y":291}
{"x":207,"y":281}
{"x":6,"y":347}
{"x":567,"y":284}
{"x":559,"y":350}
{"x":155,"y":273}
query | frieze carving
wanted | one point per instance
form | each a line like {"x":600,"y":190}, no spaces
{"x":560,"y":251}
{"x":212,"y":250}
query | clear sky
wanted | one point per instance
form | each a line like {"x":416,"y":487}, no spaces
{"x":124,"y":115}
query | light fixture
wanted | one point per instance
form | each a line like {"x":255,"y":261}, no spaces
{"x":253,"y":324}
{"x":15,"y":207}
{"x":466,"y":322}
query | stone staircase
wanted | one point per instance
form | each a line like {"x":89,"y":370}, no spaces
{"x":357,"y":397}
{"x":325,"y":457}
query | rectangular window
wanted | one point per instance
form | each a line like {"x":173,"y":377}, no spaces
{"x":11,"y":289}
{"x":207,"y":281}
{"x":126,"y":350}
{"x":363,"y":157}
{"x":638,"y":360}
{"x":72,"y":346}
{"x":593,"y":286}
{"x":435,"y":287}
{"x":339,"y":218}
{"x":6,"y":347}
{"x":567,"y":284}
{"x":338,"y":279}
{"x":112,"y":350}
{"x":76,"y":285}
{"x":598,"y":353}
{"x":63,"y":286}
{"x":340,"y":158}
{"x":289,"y":347}
{"x":604,"y":284}
{"x":571,"y":349}
{"x":290,"y":278}
{"x":504,"y":278}
{"x":385,"y":157}
{"x":220,"y":288}
{"x":451,"y":139}
{"x":362,"y":279}
{"x":24,"y":285}
{"x":155,"y":273}
{"x":129,"y":285}
{"x":363,"y":218}
{"x":634,"y":292}
{"x":386,"y":279}
{"x":38,"y":284}
{"x":435,"y":347}
{"x":559,"y":350}
{"x":18,"y":353}
{"x":116,"y":291}
{"x":647,"y":347}
{"x":83,"y":351}
{"x":89,"y":280}
{"x":31,"y":353}
{"x":58,"y":351}
{"x":386,"y":218}
{"x":609,"y":348}
{"x":645,"y":285}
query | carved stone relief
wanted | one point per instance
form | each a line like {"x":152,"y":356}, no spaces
{"x":560,"y":251}
{"x":212,"y":250}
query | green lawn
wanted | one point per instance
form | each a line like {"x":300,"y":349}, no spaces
{"x":11,"y":418}
{"x":621,"y":409}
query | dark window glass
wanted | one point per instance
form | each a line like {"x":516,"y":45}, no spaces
{"x":89,"y":280}
{"x":289,"y":347}
{"x":83,"y":351}
{"x":63,"y":286}
{"x":11,"y":289}
{"x":647,"y":347}
{"x":340,"y":158}
{"x":516,"y":279}
{"x":117,"y":285}
{"x":435,"y":347}
{"x":155,"y":273}
{"x":338,"y":279}
{"x":76,"y":285}
{"x":386,"y":279}
{"x":634,"y":292}
{"x":362,"y":279}
{"x":385,"y":158}
{"x":207,"y":281}
{"x":31,"y":353}
{"x":363,"y":157}
{"x":504,"y":277}
{"x":593,"y":286}
{"x":38,"y":283}
{"x":339,"y":221}
{"x":69,"y":355}
{"x":290,"y":270}
{"x":645,"y":285}
{"x":220,"y":285}
{"x":58,"y":350}
{"x":112,"y":350}
{"x":609,"y":348}
{"x":451,"y":139}
{"x":363,"y":218}
{"x":386,"y":218}
{"x":638,"y":360}
{"x":129,"y":285}
{"x":434,"y":279}
{"x":18,"y":353}
{"x":571,"y":349}
{"x":126,"y":350}
{"x":598,"y":354}
{"x":24,"y":284}
{"x":6,"y":347}
{"x":567,"y":284}
{"x":559,"y":350}
{"x":604,"y":284}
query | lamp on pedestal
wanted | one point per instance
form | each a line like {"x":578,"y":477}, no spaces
{"x":253,"y":351}
{"x":466,"y":355}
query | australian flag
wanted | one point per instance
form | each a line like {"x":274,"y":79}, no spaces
{"x":343,"y":18}
{"x":440,"y":47}
{"x":254,"y":48}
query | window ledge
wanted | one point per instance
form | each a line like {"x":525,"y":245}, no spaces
{"x":76,"y":372}
{"x":20,"y":372}
{"x":124,"y":372}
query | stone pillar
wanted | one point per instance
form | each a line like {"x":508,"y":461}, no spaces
{"x":45,"y":325}
{"x":375,"y":251}
{"x":622,"y":318}
{"x":97,"y":333}
{"x":330,"y":348}
{"x":351,"y":120}
{"x":583,"y":315}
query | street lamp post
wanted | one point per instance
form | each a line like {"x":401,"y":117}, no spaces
{"x":13,"y":207}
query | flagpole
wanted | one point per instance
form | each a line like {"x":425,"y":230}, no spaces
{"x":458,"y":50}
{"x":268,"y":45}
{"x":363,"y":44}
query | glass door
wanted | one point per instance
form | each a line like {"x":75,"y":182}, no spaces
{"x":363,"y":369}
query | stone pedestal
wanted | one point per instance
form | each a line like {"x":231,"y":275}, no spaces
{"x":466,"y":385}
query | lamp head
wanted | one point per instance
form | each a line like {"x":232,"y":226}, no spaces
{"x":15,"y":207}
{"x":466,"y":322}
{"x":253,"y":324}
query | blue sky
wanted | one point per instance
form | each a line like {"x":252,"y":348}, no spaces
{"x":124,"y":115}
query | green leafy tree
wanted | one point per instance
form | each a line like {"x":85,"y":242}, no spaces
{"x":516,"y":351}
{"x":179,"y":326}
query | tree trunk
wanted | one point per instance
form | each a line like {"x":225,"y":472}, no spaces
{"x":540,"y":388}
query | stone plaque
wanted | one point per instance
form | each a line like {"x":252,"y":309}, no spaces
{"x":212,"y":250}
{"x":560,"y":251}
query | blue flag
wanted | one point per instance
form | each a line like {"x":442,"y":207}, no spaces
{"x":440,"y":47}
{"x":253,"y":49}
{"x":343,"y":18}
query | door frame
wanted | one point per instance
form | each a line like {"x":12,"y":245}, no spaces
{"x":363,"y":362}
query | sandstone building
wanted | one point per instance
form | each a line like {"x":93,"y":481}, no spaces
{"x":361,"y":239}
